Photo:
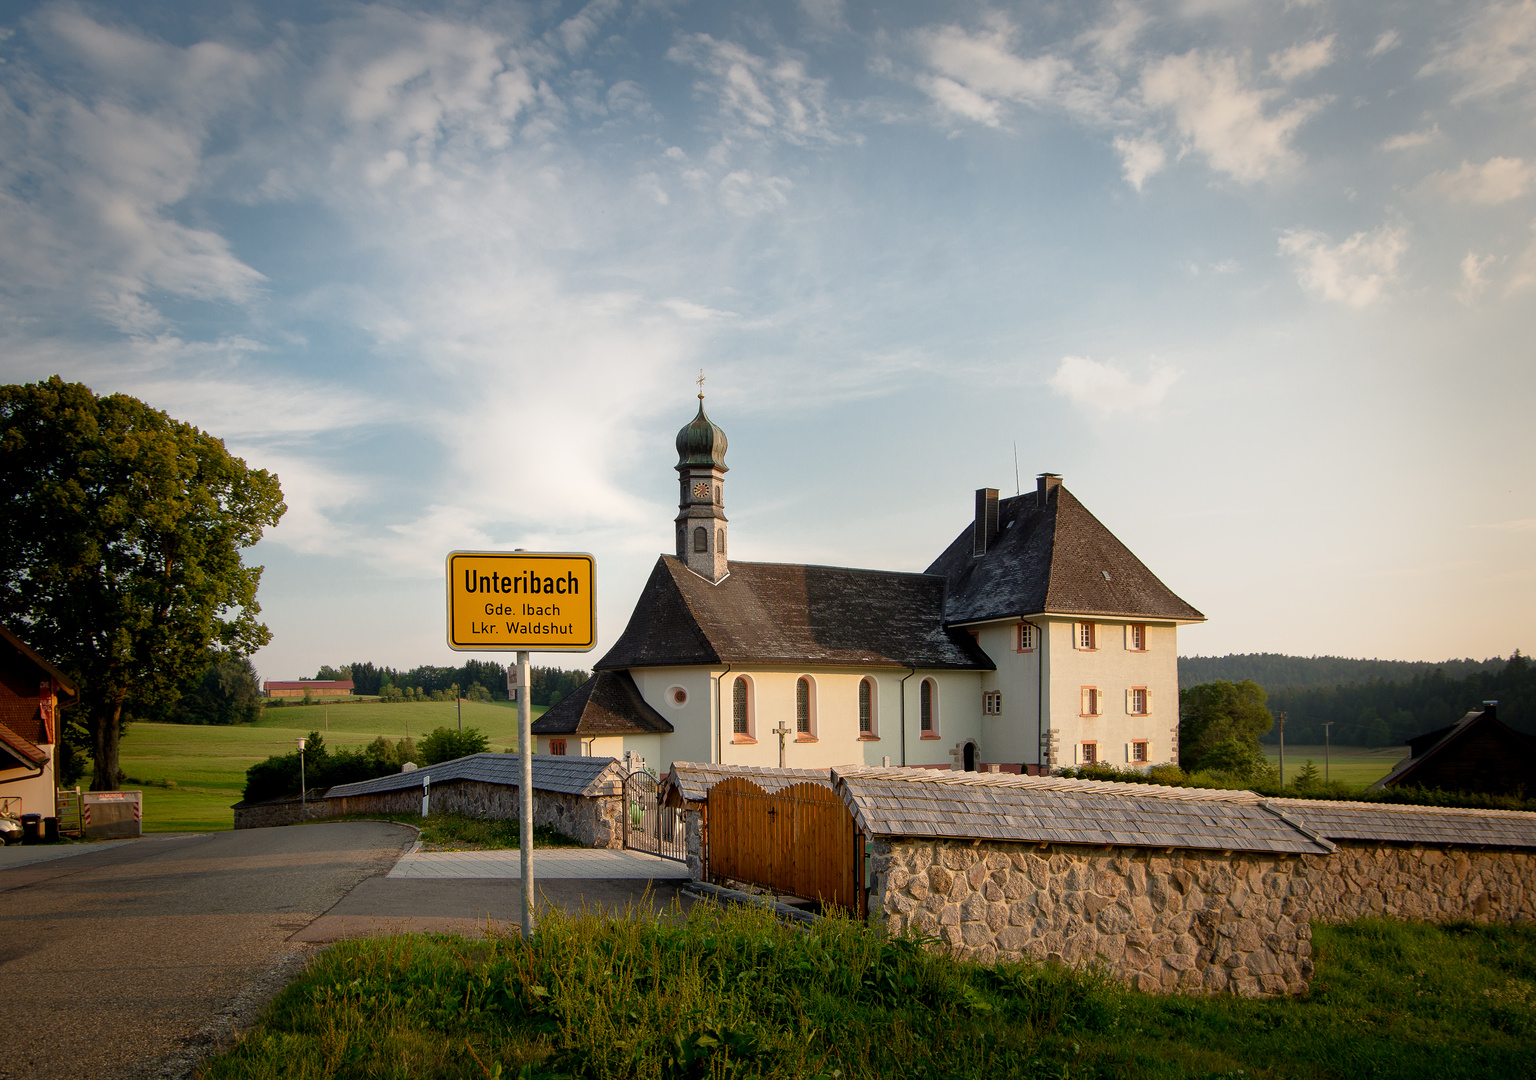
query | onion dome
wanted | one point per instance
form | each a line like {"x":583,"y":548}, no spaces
{"x":701,"y":442}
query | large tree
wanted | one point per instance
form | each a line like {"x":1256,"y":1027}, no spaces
{"x":120,"y":547}
{"x":1217,"y":713}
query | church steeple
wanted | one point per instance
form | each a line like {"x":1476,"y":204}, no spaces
{"x":701,"y":469}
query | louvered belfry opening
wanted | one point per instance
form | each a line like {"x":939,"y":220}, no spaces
{"x":984,"y":530}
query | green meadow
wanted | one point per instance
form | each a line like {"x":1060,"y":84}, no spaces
{"x":191,"y":776}
{"x":1357,"y":766}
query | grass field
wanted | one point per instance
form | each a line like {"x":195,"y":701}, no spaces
{"x":728,"y":993}
{"x":1357,"y":766}
{"x":192,"y":776}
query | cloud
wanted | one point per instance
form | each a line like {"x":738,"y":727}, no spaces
{"x":1108,"y":389}
{"x":1389,"y":40}
{"x":1140,"y":157}
{"x":1356,"y":272}
{"x":758,"y":98}
{"x":1301,"y":60}
{"x":1524,"y":274}
{"x":1473,"y":278}
{"x":1224,"y":118}
{"x":1494,"y":53}
{"x":1412,"y":139}
{"x":1519,"y":525}
{"x":1497,"y":180}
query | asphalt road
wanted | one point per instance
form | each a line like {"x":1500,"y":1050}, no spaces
{"x":133,"y":961}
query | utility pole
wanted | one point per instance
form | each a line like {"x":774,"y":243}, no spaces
{"x":1327,"y":744}
{"x":458,"y":700}
{"x":1280,"y":718}
{"x":781,"y":731}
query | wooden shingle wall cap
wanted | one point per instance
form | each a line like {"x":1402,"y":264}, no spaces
{"x":896,"y":806}
{"x":1407,"y":824}
{"x":585,"y":776}
{"x":1051,"y":784}
{"x":692,"y":780}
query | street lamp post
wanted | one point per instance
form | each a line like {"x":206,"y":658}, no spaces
{"x":1327,"y":745}
{"x":302,"y":804}
{"x":1281,"y":718}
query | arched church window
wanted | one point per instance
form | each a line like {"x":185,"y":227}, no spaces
{"x":802,"y":706}
{"x":720,"y":541}
{"x":701,"y":539}
{"x":866,"y":707}
{"x":925,"y":706}
{"x":739,"y":707}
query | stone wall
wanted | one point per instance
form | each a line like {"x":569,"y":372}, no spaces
{"x":1183,"y":921}
{"x":1162,"y":922}
{"x":596,"y":821}
{"x":1412,"y":882}
{"x":282,"y":811}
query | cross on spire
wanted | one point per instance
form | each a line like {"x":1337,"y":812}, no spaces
{"x":700,"y":381}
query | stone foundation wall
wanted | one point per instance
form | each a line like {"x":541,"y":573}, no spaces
{"x":596,"y":822}
{"x":282,"y":811}
{"x":1183,"y":921}
{"x":1162,"y":922}
{"x":1430,"y":884}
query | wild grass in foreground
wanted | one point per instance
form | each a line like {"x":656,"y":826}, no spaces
{"x":731,"y":993}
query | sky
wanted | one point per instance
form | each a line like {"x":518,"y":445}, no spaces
{"x":1257,"y":278}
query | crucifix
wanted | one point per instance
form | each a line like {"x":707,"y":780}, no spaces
{"x":700,"y":381}
{"x":781,"y":731}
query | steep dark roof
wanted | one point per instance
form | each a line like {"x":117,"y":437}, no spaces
{"x":609,"y":703}
{"x":783,"y":613}
{"x":1477,"y":753}
{"x":27,"y":754}
{"x":1051,"y":558}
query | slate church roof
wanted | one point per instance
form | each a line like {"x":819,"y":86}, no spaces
{"x":609,"y":703}
{"x":780,"y":613}
{"x":1050,"y":555}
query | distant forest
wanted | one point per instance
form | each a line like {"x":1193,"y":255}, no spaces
{"x":550,"y":684}
{"x":1275,"y":671}
{"x":1374,"y":703}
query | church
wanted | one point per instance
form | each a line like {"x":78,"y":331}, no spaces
{"x":1034,"y":642}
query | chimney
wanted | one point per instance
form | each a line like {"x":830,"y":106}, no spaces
{"x":1043,"y":485}
{"x":985,"y":526}
{"x":1491,"y":710}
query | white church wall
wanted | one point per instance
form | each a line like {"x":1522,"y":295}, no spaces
{"x":1012,"y":736}
{"x":1114,"y":670}
{"x":692,"y":720}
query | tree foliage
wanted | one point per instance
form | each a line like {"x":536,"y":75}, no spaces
{"x":227,"y":692}
{"x":120,"y":547}
{"x":421,"y":682}
{"x":445,"y":744}
{"x":1276,"y":671}
{"x":278,"y":776}
{"x":1218,"y":720}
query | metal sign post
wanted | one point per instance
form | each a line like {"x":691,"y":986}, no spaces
{"x":525,"y":792}
{"x":522,"y":601}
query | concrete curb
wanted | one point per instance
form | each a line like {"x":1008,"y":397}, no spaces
{"x":703,"y":890}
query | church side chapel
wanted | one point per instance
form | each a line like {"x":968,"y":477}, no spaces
{"x":1034,"y":642}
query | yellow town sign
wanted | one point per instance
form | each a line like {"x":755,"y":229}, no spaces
{"x":533,"y":601}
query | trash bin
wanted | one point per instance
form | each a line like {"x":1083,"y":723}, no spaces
{"x":50,"y":830}
{"x":31,"y":828}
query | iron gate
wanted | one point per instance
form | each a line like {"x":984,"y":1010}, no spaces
{"x":648,"y":825}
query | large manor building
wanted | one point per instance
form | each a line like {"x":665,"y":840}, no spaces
{"x":1034,"y":642}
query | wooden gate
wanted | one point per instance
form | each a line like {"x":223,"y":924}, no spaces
{"x":799,"y":841}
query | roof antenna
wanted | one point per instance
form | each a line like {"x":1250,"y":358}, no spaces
{"x":1016,"y":489}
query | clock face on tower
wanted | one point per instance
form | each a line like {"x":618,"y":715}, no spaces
{"x":701,"y":490}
